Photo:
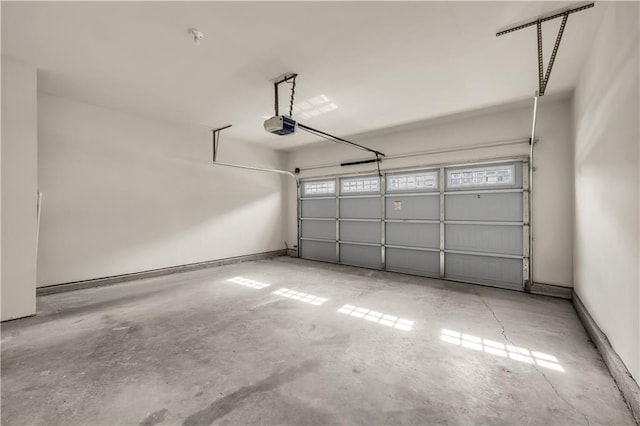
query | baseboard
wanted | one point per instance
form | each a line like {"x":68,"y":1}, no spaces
{"x":628,"y":387}
{"x":78,"y":285}
{"x":552,"y":290}
{"x":18,"y":318}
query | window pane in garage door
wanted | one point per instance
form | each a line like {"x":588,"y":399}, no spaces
{"x":322,"y":187}
{"x":491,"y":176}
{"x":414,"y":181}
{"x":360,"y":185}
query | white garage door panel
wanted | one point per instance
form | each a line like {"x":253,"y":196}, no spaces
{"x":415,"y":262}
{"x":323,"y":229}
{"x":359,"y":255}
{"x":318,"y":208}
{"x":425,"y":235}
{"x":318,"y":250}
{"x":413,"y":207}
{"x":318,"y":220}
{"x":361,"y":232}
{"x":498,"y":239}
{"x":494,"y":207}
{"x":484,"y":214}
{"x":493,"y":271}
{"x":360,"y":208}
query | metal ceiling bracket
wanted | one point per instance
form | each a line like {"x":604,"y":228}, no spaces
{"x":547,"y":17}
{"x":216,"y":139}
{"x":540,"y":59}
{"x":543,"y":77}
{"x":553,"y":53}
{"x":289,"y":76}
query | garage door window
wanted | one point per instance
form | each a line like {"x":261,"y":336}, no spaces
{"x":482,"y":176}
{"x":369,"y":184}
{"x":325,"y":187}
{"x":413,"y":181}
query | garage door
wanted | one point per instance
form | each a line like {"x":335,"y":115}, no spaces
{"x":464,"y":223}
{"x":484,"y":224}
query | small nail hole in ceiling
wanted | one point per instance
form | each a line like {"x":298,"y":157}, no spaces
{"x":197,"y":36}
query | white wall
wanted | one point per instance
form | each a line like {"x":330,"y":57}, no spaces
{"x":552,"y":180}
{"x":124,"y":194}
{"x":607,"y":182}
{"x":19,"y":188}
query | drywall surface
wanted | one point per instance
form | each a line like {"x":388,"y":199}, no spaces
{"x":552,"y":263}
{"x":607,"y":181}
{"x":19,"y":188}
{"x":124,"y":194}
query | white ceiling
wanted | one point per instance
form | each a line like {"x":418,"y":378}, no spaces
{"x":381,"y":63}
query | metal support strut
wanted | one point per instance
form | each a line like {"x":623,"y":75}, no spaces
{"x":282,"y":79}
{"x":547,"y":17}
{"x":543,"y":78}
{"x":336,"y":139}
{"x":216,"y":139}
{"x":553,"y":53}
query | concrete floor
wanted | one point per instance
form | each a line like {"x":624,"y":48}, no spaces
{"x":197,"y":349}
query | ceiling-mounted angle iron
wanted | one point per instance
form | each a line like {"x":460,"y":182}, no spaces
{"x":216,"y":139}
{"x":285,"y":125}
{"x":543,"y":78}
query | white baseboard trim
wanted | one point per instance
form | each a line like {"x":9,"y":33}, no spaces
{"x":552,"y":290}
{"x":627,"y":385}
{"x":78,"y":285}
